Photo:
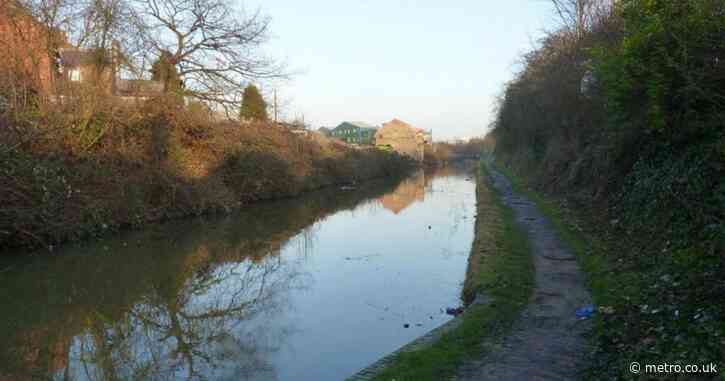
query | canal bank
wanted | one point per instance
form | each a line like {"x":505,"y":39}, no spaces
{"x":525,"y":284}
{"x":157,"y":169}
{"x":308,"y":288}
{"x":499,"y":281}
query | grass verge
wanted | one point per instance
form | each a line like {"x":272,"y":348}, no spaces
{"x":501,"y":268}
{"x":654,"y":307}
{"x":600,"y":278}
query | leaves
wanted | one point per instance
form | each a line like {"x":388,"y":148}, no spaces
{"x":253,"y":105}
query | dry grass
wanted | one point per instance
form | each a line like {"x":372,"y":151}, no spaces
{"x":85,"y":166}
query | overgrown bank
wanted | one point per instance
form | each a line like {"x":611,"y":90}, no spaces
{"x":84,"y":168}
{"x":620,"y":120}
{"x":640,"y":302}
{"x":501,"y":271}
{"x":162,"y":268}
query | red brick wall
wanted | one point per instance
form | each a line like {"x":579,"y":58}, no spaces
{"x":25,"y":47}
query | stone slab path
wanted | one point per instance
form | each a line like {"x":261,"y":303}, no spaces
{"x":547,"y":342}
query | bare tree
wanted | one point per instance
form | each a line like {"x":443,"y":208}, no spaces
{"x":581,"y":15}
{"x":53,"y":14}
{"x":90,"y":24}
{"x":102,"y":21}
{"x":215,"y":48}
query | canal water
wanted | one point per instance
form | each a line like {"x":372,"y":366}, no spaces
{"x":312,"y":288}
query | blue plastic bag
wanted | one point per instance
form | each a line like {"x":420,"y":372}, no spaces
{"x":585,"y":312}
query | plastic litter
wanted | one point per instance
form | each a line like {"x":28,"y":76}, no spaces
{"x":585,"y":312}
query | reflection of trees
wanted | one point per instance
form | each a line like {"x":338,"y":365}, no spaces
{"x":191,"y":300}
{"x":188,"y":329}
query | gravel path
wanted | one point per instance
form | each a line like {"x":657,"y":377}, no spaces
{"x":547,"y":342}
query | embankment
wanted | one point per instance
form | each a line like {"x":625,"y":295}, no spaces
{"x":86,"y":168}
{"x":618,"y":131}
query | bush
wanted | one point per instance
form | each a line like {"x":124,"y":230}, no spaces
{"x":89,"y":164}
{"x":641,"y":152}
{"x":666,"y":75}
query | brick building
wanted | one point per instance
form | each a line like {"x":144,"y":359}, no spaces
{"x":403,"y":138}
{"x":40,"y":59}
{"x":28,"y":49}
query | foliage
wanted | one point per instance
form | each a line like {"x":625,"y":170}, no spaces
{"x":676,"y":194}
{"x":641,"y":153}
{"x":248,"y":172}
{"x":164,"y":70}
{"x":253,"y":105}
{"x":99,"y":164}
{"x":659,"y":93}
{"x":215,"y":45}
{"x":667,"y":72}
{"x":440,"y":153}
{"x":660,"y":305}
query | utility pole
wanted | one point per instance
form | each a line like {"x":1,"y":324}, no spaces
{"x":580,"y":17}
{"x":275,"y":106}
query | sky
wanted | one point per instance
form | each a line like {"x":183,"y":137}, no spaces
{"x":435,"y":64}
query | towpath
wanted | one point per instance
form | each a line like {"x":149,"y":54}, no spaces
{"x":547,"y":342}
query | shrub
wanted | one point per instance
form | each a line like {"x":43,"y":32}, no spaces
{"x":89,"y":164}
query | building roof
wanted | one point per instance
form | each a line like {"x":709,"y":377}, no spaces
{"x":361,"y":125}
{"x":399,"y":122}
{"x":396,"y":127}
{"x":72,"y":57}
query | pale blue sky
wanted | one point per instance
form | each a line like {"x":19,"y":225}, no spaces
{"x":436,"y":64}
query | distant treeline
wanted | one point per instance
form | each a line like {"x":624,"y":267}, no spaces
{"x":440,"y":153}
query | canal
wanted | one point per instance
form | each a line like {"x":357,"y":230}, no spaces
{"x":312,"y":288}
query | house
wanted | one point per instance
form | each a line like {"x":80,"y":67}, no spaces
{"x":403,"y":138}
{"x":42,"y":60}
{"x":100,"y":68}
{"x":354,"y":133}
{"x":77,"y":66}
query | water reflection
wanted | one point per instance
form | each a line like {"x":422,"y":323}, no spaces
{"x":170,"y":317}
{"x":209,"y":299}
{"x":182,"y":328}
{"x":409,"y":191}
